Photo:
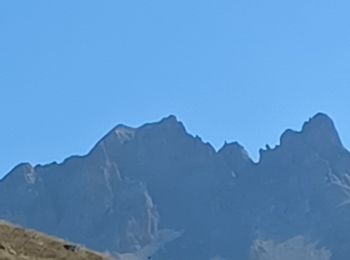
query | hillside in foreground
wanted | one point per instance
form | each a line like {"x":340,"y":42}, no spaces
{"x":17,"y":243}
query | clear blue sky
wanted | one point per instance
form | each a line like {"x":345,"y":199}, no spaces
{"x":230,"y":70}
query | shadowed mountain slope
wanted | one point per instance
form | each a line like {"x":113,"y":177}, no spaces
{"x":158,"y":191}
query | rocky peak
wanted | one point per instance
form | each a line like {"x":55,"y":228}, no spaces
{"x":319,"y":134}
{"x":169,"y":124}
{"x":124,"y":133}
{"x":121,"y":134}
{"x":320,"y":130}
{"x":170,"y":120}
{"x":235,"y":156}
{"x":22,"y":172}
{"x":234,"y":149}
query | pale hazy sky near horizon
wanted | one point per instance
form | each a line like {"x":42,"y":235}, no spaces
{"x":230,"y":70}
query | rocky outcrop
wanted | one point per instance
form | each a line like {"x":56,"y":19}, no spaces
{"x":141,"y":187}
{"x":84,"y":200}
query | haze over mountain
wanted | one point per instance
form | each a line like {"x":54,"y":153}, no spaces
{"x":158,"y":191}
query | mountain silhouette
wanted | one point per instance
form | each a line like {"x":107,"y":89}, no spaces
{"x":157,"y":191}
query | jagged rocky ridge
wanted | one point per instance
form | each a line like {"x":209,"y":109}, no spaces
{"x":158,"y":191}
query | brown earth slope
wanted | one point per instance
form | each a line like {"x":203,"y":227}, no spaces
{"x":17,"y":243}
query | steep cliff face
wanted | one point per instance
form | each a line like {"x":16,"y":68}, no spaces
{"x":305,"y":189}
{"x":84,"y":200}
{"x":141,"y":187}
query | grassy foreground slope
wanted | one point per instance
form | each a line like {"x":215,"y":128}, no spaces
{"x":17,"y":243}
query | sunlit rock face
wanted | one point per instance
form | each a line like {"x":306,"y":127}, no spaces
{"x":157,"y":191}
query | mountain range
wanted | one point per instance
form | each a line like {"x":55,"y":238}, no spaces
{"x":158,"y":192}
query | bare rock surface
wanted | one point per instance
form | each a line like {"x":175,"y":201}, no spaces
{"x":157,"y":191}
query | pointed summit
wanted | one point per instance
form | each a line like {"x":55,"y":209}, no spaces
{"x":235,"y":156}
{"x":319,"y":133}
{"x":169,"y":123}
{"x":320,"y":130}
{"x":171,"y":119}
{"x":121,"y":134}
{"x":322,"y":122}
{"x":234,"y":149}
